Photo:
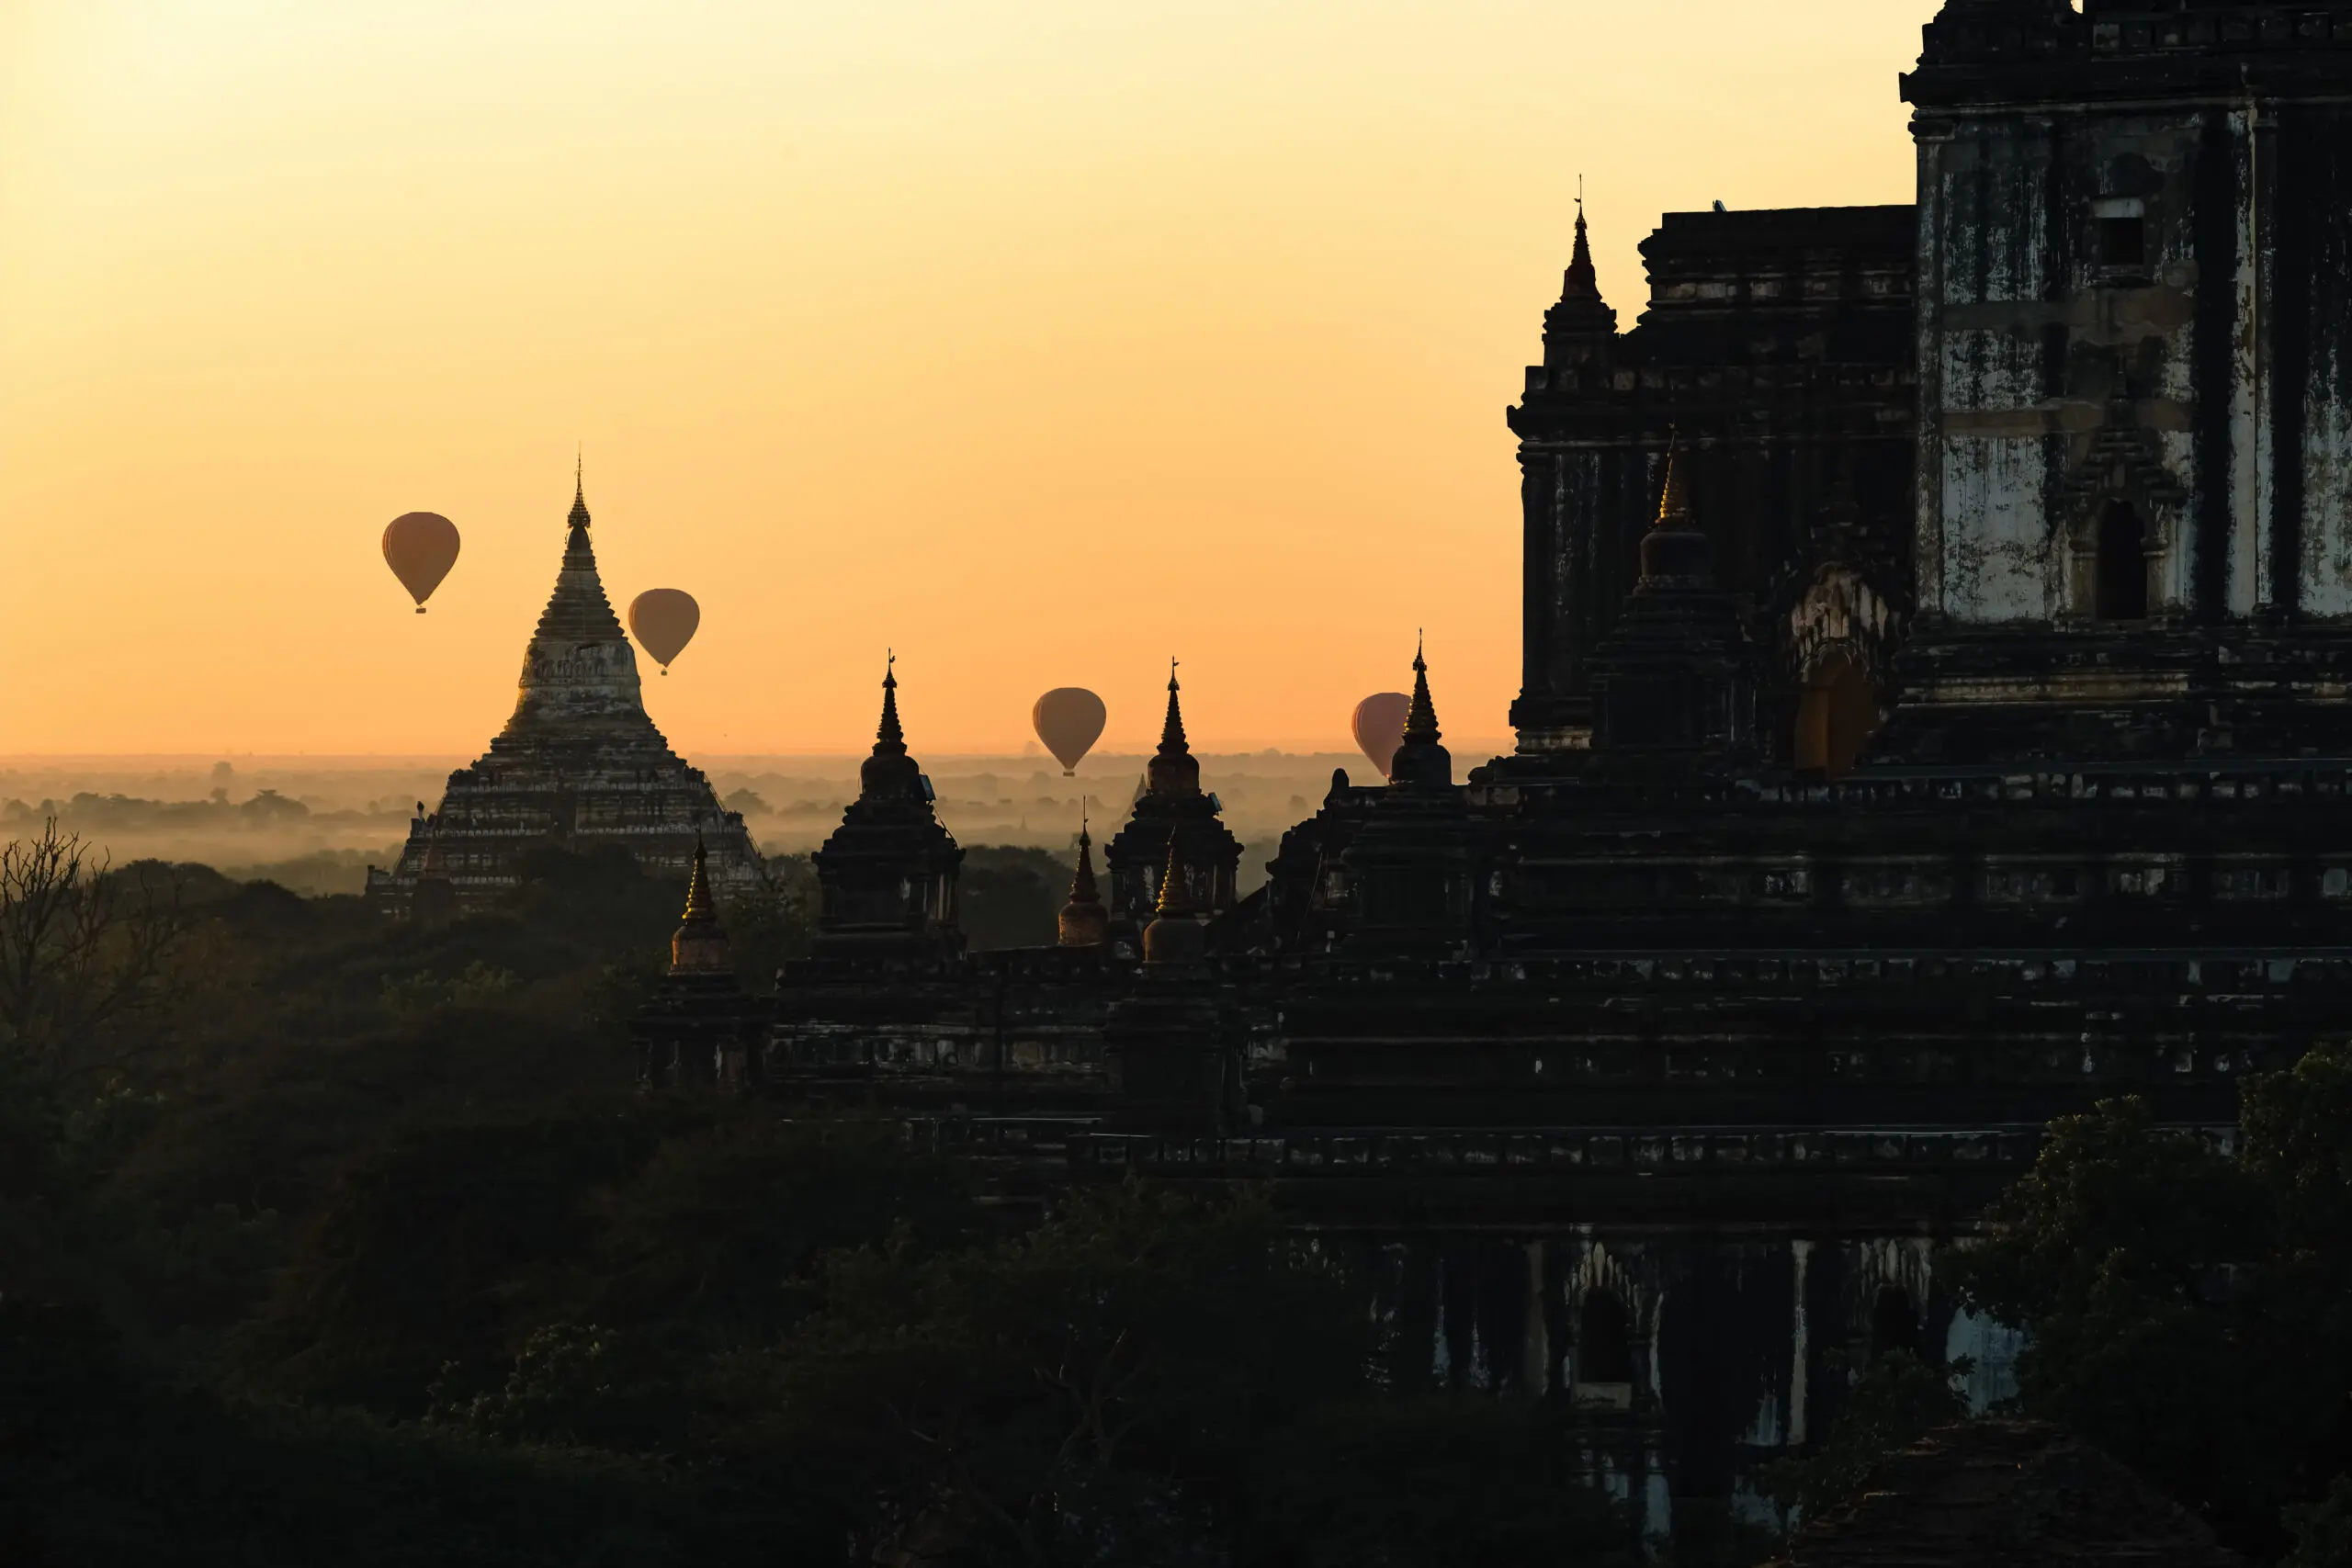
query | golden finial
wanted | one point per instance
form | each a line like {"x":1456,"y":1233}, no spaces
{"x":701,"y":909}
{"x":1175,"y":899}
{"x":1674,"y":500}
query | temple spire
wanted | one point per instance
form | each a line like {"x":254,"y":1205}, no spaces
{"x":1173,"y":769}
{"x":1674,"y":497}
{"x":1582,"y":281}
{"x":1420,"y":759}
{"x":700,"y":945}
{"x":889,"y":736}
{"x":1579,"y":327}
{"x":578,"y":667}
{"x":579,"y":518}
{"x":700,"y":908}
{"x":1175,"y":897}
{"x":889,"y":772}
{"x":1084,"y":920}
{"x":1172,"y":728}
{"x":1421,"y":722}
{"x":1676,"y":551}
{"x":1175,"y":937}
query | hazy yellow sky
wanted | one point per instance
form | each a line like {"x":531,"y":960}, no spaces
{"x":1040,"y":339}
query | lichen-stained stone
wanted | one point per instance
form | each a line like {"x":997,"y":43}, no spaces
{"x":580,"y":764}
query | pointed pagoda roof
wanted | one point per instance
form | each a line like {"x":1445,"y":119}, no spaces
{"x":1082,"y":889}
{"x":1084,"y":921}
{"x":1676,"y":551}
{"x":1173,"y":769}
{"x":1175,"y":896}
{"x":700,"y":945}
{"x":1420,"y":761}
{"x":1674,"y":495}
{"x":1581,"y":319}
{"x":580,"y":671}
{"x":889,"y":773}
{"x":1582,"y":281}
{"x":1175,"y":937}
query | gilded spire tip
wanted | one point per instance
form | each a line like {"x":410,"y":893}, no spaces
{"x":700,"y":907}
{"x":1674,"y":497}
{"x":1174,"y":895}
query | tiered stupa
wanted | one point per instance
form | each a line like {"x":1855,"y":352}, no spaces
{"x":1172,"y":806}
{"x":580,"y":764}
{"x":699,"y":1028}
{"x":888,"y":875}
{"x":1084,"y":921}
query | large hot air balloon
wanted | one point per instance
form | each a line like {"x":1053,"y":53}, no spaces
{"x":420,"y":547}
{"x":1379,"y":725}
{"x":664,"y":620}
{"x":1069,"y":719}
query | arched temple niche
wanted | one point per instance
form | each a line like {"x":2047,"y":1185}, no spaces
{"x":1840,"y":640}
{"x":1837,"y":707}
{"x":2121,"y":510}
{"x":1607,"y":1364}
{"x":1889,"y":1305}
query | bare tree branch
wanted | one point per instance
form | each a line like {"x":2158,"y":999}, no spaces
{"x":84,"y":951}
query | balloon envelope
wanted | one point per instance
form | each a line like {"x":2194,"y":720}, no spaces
{"x":420,"y":547}
{"x":1380,"y":726}
{"x":664,"y":620}
{"x":1069,"y":720}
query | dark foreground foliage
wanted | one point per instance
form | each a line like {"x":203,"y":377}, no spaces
{"x":364,"y":1247}
{"x":323,"y":1239}
{"x":2191,"y":1309}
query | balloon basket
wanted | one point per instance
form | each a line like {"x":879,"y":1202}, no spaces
{"x":420,"y":609}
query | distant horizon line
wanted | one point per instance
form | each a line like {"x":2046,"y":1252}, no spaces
{"x":18,"y":760}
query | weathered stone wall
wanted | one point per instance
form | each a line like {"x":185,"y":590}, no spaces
{"x":2197,"y":372}
{"x":2055,"y":381}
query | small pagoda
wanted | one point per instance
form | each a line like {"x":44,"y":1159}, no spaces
{"x":1172,"y":807}
{"x":888,"y":875}
{"x":580,"y":766}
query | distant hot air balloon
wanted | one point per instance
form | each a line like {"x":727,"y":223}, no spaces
{"x":421,"y":548}
{"x":1380,"y":726}
{"x":664,"y":620}
{"x":1069,"y":719}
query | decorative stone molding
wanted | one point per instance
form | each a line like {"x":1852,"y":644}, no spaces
{"x":2123,"y":462}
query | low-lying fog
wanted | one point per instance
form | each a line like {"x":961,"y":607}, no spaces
{"x":315,"y":823}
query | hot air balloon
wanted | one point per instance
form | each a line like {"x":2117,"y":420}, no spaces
{"x":664,"y":620}
{"x":1379,"y":725}
{"x":420,"y":547}
{"x":1069,"y":719}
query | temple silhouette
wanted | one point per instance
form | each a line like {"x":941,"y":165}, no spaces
{"x":580,"y":764}
{"x":1937,"y":672}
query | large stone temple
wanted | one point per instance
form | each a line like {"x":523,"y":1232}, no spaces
{"x":1936,"y":716}
{"x":580,"y":765}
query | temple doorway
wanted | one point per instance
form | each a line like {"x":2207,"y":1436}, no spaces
{"x":1836,"y":714}
{"x":2122,"y":564}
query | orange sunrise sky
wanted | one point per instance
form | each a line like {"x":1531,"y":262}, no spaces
{"x":1040,"y":339}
